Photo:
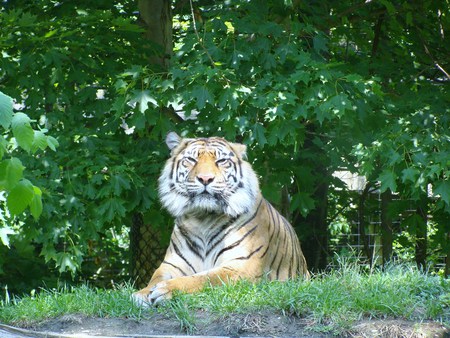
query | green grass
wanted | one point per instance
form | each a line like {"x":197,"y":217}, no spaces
{"x":332,"y":302}
{"x":69,"y":300}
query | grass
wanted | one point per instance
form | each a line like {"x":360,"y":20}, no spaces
{"x":332,"y":302}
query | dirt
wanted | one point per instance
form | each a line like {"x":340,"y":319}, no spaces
{"x":254,"y":325}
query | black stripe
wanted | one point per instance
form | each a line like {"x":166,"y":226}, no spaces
{"x":284,"y":250}
{"x":295,"y":255}
{"x":176,"y":171}
{"x":268,"y":243}
{"x":192,"y":244}
{"x":216,"y":142}
{"x":176,"y":267}
{"x":269,"y":208}
{"x":235,"y":244}
{"x":178,"y":252}
{"x":229,"y":269}
{"x":252,"y":217}
{"x":271,"y":235}
{"x":277,"y":242}
{"x":235,"y":170}
{"x":292,"y":267}
{"x":173,"y":168}
{"x":222,"y":228}
{"x":230,"y":228}
{"x":240,"y":167}
{"x":268,"y":246}
{"x":250,"y":255}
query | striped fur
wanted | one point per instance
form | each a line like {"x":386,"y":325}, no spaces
{"x":224,"y":229}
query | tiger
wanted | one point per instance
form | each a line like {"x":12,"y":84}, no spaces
{"x":224,"y":228}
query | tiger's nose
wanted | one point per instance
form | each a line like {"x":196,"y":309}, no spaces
{"x":205,"y":179}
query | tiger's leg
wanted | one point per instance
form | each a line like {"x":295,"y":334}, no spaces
{"x":216,"y":276}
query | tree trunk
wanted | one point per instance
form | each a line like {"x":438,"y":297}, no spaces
{"x":314,"y":231}
{"x":156,"y":17}
{"x":145,"y":241}
{"x":386,"y":226}
{"x":362,"y":223}
{"x":422,"y":234}
{"x":285,"y":209}
{"x":447,"y":258}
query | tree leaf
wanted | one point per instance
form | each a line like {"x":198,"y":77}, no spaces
{"x":20,"y":197}
{"x":36,"y":203}
{"x":6,"y":110}
{"x":202,"y":95}
{"x":387,"y":179}
{"x":143,"y":98}
{"x":119,"y":184}
{"x":11,"y":171}
{"x":39,"y":141}
{"x":303,"y":202}
{"x":410,"y":174}
{"x":52,"y":143}
{"x":4,"y":232}
{"x":112,"y":208}
{"x":22,"y":130}
{"x":65,"y":262}
{"x":320,"y":43}
{"x":443,"y":189}
{"x":259,"y":131}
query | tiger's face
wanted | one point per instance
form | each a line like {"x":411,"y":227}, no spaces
{"x":207,"y":175}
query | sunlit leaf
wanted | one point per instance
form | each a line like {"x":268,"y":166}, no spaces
{"x":20,"y":197}
{"x":11,"y":171}
{"x":143,"y":98}
{"x":6,"y":110}
{"x":52,"y":143}
{"x":36,"y":203}
{"x":22,"y":130}
{"x":4,"y":235}
{"x":39,"y":141}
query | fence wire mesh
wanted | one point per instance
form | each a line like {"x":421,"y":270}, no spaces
{"x":147,"y":250}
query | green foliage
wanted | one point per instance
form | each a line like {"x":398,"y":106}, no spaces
{"x":63,"y":76}
{"x":17,"y":191}
{"x":311,"y":88}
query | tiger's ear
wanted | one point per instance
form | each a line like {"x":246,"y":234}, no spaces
{"x":241,"y":149}
{"x":173,"y":140}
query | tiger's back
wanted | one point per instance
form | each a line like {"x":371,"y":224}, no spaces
{"x":224,"y":229}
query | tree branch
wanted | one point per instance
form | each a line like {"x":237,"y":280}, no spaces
{"x":198,"y":35}
{"x":438,"y":66}
{"x":377,"y":33}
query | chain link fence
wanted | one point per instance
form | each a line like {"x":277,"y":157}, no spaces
{"x":147,"y":250}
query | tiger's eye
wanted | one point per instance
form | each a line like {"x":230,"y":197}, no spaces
{"x":189,"y":160}
{"x":224,"y":162}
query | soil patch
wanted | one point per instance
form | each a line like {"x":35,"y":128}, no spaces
{"x":238,"y":325}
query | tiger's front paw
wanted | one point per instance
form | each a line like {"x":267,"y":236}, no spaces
{"x":160,"y":292}
{"x":152,"y":296}
{"x":141,"y":298}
